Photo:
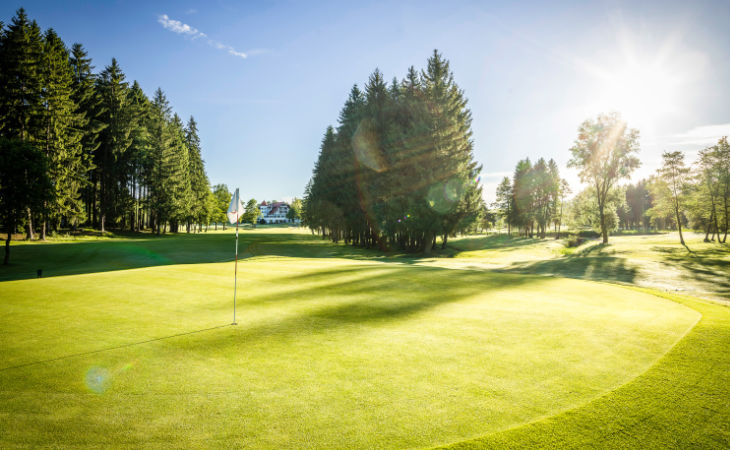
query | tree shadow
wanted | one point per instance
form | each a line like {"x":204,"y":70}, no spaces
{"x":594,"y":262}
{"x":356,"y":305}
{"x":709,"y":266}
{"x":82,"y":257}
{"x":491,"y":242}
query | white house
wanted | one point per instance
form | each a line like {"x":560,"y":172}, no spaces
{"x":275,"y":213}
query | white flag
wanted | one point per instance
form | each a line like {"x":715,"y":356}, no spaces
{"x":235,"y":209}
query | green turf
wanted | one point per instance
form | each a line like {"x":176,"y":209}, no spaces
{"x":127,"y":342}
{"x":655,"y":261}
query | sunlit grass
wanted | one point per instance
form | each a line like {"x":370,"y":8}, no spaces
{"x":345,"y":349}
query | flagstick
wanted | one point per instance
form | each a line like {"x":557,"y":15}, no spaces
{"x":235,"y":270}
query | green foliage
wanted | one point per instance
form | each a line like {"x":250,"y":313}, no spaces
{"x":586,"y":213}
{"x":533,"y":201}
{"x":21,"y":80}
{"x":24,"y":183}
{"x":295,"y":210}
{"x":505,"y":203}
{"x":711,"y":199}
{"x":221,"y":199}
{"x":62,"y":137}
{"x":604,"y":153}
{"x":114,"y":158}
{"x":252,"y":212}
{"x":399,"y":169}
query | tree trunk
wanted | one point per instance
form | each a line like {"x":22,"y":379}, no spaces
{"x":428,"y":243}
{"x":103,"y":220}
{"x":446,"y":239}
{"x":727,"y":219}
{"x":604,"y":230}
{"x":11,"y":226}
{"x":679,"y":226}
{"x":29,"y":226}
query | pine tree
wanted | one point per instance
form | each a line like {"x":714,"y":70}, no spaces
{"x":199,"y":184}
{"x":25,"y":184}
{"x":111,"y":158}
{"x":451,"y":168}
{"x":21,"y":77}
{"x":139,"y":155}
{"x":21,"y":83}
{"x":399,"y":169}
{"x":252,"y":212}
{"x":504,"y":203}
{"x":87,"y":120}
{"x":178,"y":181}
{"x":160,"y":141}
{"x":61,"y":136}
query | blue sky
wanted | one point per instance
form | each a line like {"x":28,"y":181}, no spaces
{"x":264,"y":79}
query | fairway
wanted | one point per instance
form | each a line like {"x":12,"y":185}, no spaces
{"x":331,"y":349}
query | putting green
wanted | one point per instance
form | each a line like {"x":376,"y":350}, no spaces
{"x":326,"y":353}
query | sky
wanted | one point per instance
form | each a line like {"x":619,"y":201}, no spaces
{"x":264,"y":79}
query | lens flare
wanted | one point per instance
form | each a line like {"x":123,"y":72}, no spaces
{"x":97,"y":379}
{"x":366,"y":148}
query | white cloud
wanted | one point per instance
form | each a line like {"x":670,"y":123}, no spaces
{"x":702,"y":135}
{"x":177,"y":27}
{"x":182,"y":28}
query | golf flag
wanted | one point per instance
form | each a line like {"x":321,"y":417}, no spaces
{"x":235,"y":209}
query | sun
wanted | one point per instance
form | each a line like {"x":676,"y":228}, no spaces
{"x":643,"y":92}
{"x":648,"y":83}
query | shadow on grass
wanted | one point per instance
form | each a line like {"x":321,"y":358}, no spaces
{"x":594,"y":262}
{"x":493,"y":241}
{"x":81,"y":257}
{"x":357,"y":303}
{"x":131,"y":344}
{"x":709,"y":265}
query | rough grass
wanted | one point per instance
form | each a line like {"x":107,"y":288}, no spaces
{"x":127,"y":342}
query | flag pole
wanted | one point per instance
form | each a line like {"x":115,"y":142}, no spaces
{"x":235,"y":270}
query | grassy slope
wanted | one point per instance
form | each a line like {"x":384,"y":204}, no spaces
{"x":681,"y":402}
{"x":314,"y":359}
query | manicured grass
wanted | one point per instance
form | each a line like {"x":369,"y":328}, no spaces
{"x":653,"y":261}
{"x":128,"y":342}
{"x":681,"y":402}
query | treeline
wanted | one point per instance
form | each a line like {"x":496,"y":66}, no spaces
{"x":677,"y":196}
{"x":114,"y":158}
{"x":532,"y":201}
{"x":398,"y":170}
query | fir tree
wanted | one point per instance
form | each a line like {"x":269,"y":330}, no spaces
{"x":61,"y":137}
{"x":111,"y":158}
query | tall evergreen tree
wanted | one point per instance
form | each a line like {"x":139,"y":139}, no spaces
{"x":115,"y":140}
{"x":21,"y":104}
{"x":199,"y":184}
{"x":21,"y":84}
{"x":88,"y":110}
{"x":399,"y":169}
{"x":61,"y":135}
